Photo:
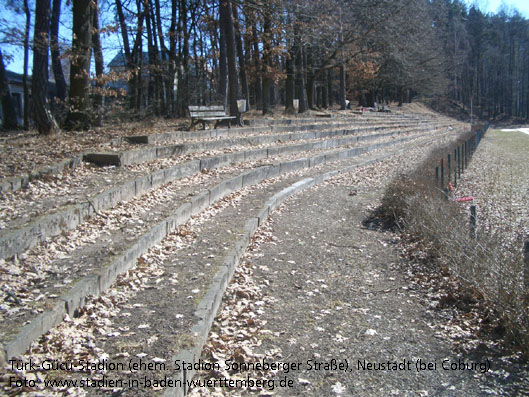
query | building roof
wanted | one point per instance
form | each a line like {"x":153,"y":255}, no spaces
{"x":13,"y":77}
{"x":120,"y":61}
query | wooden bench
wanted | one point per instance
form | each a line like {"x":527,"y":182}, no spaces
{"x":209,"y":113}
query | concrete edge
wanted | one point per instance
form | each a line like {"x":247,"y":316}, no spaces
{"x":211,"y":301}
{"x":14,"y":183}
{"x":16,"y":241}
{"x":18,"y":182}
{"x":291,"y":133}
{"x":209,"y":304}
{"x":95,"y":284}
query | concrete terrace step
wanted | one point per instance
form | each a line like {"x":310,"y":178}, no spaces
{"x":16,"y":341}
{"x":187,"y":136}
{"x":197,"y":275}
{"x":137,"y":156}
{"x":16,"y":183}
{"x":210,"y":261}
{"x":15,"y":239}
{"x":347,"y":116}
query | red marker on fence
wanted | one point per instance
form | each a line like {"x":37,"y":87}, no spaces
{"x":463,"y":199}
{"x":460,"y":199}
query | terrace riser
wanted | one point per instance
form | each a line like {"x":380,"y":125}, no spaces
{"x":94,"y":284}
{"x":138,"y":156}
{"x":14,"y":242}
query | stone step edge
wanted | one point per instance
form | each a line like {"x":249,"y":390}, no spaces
{"x":209,"y":304}
{"x":137,"y":156}
{"x":308,"y":120}
{"x":15,"y":241}
{"x":18,"y":182}
{"x":14,"y":183}
{"x":167,"y":137}
{"x":94,"y":284}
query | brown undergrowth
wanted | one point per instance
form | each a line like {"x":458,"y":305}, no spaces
{"x":488,"y":270}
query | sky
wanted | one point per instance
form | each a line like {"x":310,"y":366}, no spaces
{"x":15,"y":63}
{"x":495,"y":6}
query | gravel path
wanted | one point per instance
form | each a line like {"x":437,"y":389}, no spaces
{"x":317,"y":286}
{"x":354,"y":300}
{"x":340,"y":295}
{"x":160,"y":294}
{"x":41,"y":274}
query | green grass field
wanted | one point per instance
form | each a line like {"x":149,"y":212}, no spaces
{"x":498,"y":179}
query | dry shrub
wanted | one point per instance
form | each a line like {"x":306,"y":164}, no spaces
{"x":490,"y":267}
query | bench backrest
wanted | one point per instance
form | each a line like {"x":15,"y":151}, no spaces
{"x":207,"y":111}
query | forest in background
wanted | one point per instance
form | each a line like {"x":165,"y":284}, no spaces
{"x":176,"y":53}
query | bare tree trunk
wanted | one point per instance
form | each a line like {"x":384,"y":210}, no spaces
{"x":258,"y":83}
{"x":184,"y":93}
{"x":42,"y":116}
{"x":223,"y":67}
{"x":342,"y":87}
{"x":203,"y":75}
{"x":215,"y":50}
{"x":156,"y":71}
{"x":266,"y":63}
{"x":137,"y":59}
{"x":123,"y":29}
{"x":310,"y":78}
{"x":242,"y":59}
{"x":126,"y":49}
{"x":329,"y":87}
{"x":199,"y":98}
{"x":319,"y":96}
{"x":99,"y":97}
{"x":248,"y":56}
{"x":324,"y":95}
{"x":172,"y":60}
{"x":290,"y":82}
{"x":310,"y":89}
{"x":164,"y":61}
{"x":227,"y":21}
{"x":26,"y":62}
{"x":152,"y":57}
{"x":9,"y":119}
{"x":58,"y":73}
{"x":132,"y":55}
{"x":79,"y":115}
{"x":300,"y":75}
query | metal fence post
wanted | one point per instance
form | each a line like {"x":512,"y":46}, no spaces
{"x":455,"y":167}
{"x":459,"y":162}
{"x":442,"y":174}
{"x":449,"y":168}
{"x":462,"y":159}
{"x":473,"y":221}
{"x":526,"y":263}
{"x":466,"y":154}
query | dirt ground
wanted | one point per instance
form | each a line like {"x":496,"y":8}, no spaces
{"x":324,"y":287}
